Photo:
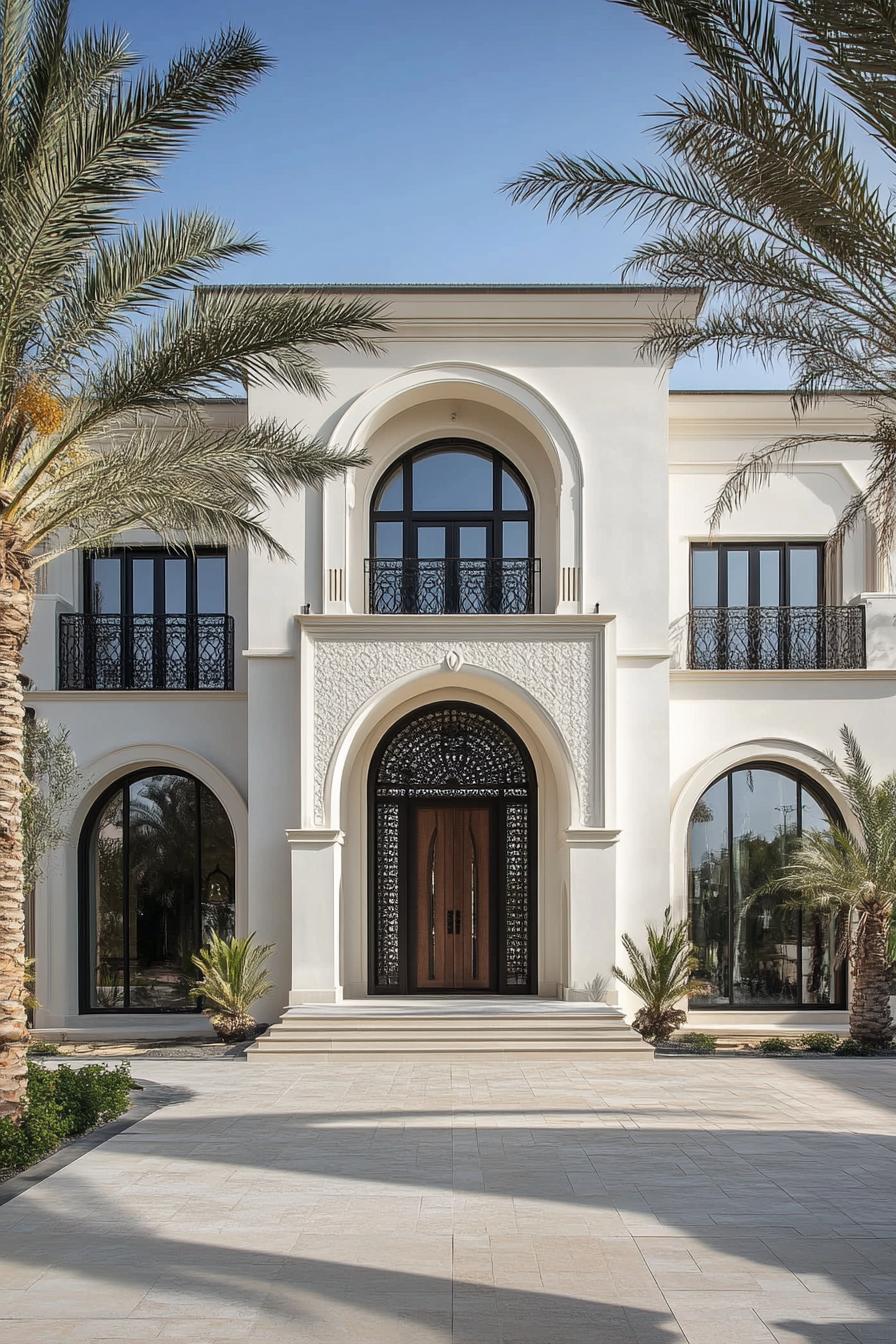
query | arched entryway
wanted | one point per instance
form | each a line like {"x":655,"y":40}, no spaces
{"x":453,"y":856}
{"x":157,"y":877}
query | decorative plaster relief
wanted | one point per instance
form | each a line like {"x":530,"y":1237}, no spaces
{"x":559,"y":674}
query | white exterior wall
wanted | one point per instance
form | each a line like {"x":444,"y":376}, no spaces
{"x":623,"y":739}
{"x":113,"y":733}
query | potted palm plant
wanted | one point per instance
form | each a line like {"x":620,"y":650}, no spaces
{"x":661,"y":977}
{"x":232,"y":976}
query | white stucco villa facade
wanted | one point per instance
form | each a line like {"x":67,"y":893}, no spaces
{"x":504,"y":703}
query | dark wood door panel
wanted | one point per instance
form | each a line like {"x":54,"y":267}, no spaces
{"x":451,"y":897}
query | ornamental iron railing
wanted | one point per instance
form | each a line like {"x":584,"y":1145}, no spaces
{"x":506,"y":587}
{"x":768,"y":638}
{"x":145,"y":653}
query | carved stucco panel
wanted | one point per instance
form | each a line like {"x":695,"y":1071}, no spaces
{"x":559,"y":674}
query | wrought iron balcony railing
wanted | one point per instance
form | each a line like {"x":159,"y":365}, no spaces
{"x":442,"y":587}
{"x":766,"y":638}
{"x":145,"y":653}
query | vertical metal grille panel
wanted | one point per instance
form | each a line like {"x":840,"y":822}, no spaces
{"x":516,"y":895}
{"x":386,"y":930}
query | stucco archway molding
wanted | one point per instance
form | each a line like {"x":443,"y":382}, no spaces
{"x":476,"y":382}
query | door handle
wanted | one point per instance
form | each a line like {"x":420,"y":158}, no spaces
{"x":457,"y":921}
{"x":450,"y":918}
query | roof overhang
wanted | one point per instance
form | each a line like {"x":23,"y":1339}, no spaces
{"x":620,"y":312}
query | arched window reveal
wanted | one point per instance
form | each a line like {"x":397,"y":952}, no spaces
{"x":756,"y":949}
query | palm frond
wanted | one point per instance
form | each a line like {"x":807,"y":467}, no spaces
{"x":123,"y":277}
{"x":762,"y":196}
{"x":209,"y":486}
{"x":111,"y":151}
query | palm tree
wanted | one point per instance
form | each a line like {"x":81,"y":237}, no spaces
{"x":232,"y":976}
{"x":661,"y":977}
{"x":853,"y":873}
{"x":102,"y":353}
{"x":761,"y":196}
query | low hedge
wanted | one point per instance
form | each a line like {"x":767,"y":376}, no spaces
{"x":697,"y":1042}
{"x":61,"y":1104}
{"x":775,"y":1045}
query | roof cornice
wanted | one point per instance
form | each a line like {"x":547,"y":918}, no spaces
{"x":513,"y":312}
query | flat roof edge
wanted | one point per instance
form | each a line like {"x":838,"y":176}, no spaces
{"x":477,"y":288}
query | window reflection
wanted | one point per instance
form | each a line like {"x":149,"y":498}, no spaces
{"x":451,"y":480}
{"x":757,"y":949}
{"x":160,"y":866}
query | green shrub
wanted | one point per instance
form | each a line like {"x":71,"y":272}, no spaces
{"x":60,"y":1104}
{"x":775,"y":1045}
{"x":820,"y":1042}
{"x":851,"y":1047}
{"x":43,"y":1048}
{"x":699,"y":1042}
{"x":92,"y":1095}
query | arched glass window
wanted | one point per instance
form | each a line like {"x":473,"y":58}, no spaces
{"x":757,"y":950}
{"x":452,"y":529}
{"x":157,"y":878}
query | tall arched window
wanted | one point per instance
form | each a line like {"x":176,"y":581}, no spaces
{"x":452,"y":530}
{"x":756,"y":950}
{"x":157,"y":878}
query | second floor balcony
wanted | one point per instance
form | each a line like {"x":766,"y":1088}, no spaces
{"x":769,"y":638}
{"x":145,"y":652}
{"x":468,"y":587}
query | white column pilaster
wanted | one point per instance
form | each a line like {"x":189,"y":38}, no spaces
{"x":591,"y":914}
{"x":316,"y":870}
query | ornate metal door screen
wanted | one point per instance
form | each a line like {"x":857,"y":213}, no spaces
{"x":452,"y":751}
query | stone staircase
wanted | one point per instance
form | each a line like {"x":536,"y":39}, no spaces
{"x":462,"y":1029}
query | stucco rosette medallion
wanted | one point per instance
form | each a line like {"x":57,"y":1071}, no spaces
{"x":558,"y":674}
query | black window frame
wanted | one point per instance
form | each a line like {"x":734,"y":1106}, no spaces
{"x":159,"y":554}
{"x":841,"y":974}
{"x":411,"y":518}
{"x":123,"y":785}
{"x":723,"y":548}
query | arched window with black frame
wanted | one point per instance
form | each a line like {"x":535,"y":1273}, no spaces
{"x":452,"y":529}
{"x":759,"y":949}
{"x":157,"y":870}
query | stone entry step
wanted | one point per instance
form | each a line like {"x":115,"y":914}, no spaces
{"x":490,"y":1029}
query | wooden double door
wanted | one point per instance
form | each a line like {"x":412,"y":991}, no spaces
{"x":451,"y":897}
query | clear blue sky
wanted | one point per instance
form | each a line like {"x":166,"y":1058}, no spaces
{"x":376,"y":149}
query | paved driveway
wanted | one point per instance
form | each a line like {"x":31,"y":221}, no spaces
{"x":718,"y":1202}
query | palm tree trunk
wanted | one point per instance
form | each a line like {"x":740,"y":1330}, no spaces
{"x":15,"y":617}
{"x":869,"y":1012}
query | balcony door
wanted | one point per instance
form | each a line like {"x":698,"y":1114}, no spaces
{"x":757,"y":605}
{"x":452,"y":530}
{"x":158,"y":618}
